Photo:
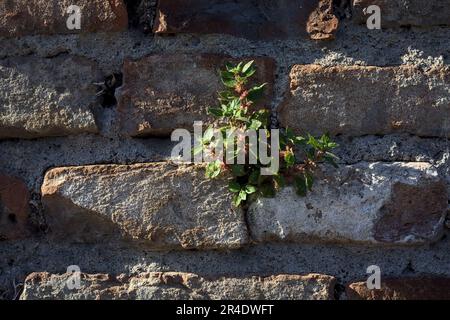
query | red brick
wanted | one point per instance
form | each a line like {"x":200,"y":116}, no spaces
{"x":363,"y":100}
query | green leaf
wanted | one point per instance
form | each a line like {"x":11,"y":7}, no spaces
{"x":250,"y":73}
{"x":226,"y":75}
{"x":241,"y":118}
{"x":229,"y":83}
{"x":228,"y":79}
{"x":234,"y":187}
{"x":289,"y":158}
{"x":227,"y":110}
{"x":213,"y":169}
{"x":229,"y":66}
{"x":254,"y":177}
{"x":247,"y":66}
{"x":289,"y":138}
{"x":299,"y":140}
{"x":255,"y":124}
{"x":238,"y":170}
{"x":235,"y":104}
{"x":248,"y":70}
{"x":249,"y":189}
{"x":289,"y":133}
{"x":326,"y":142}
{"x":309,"y":180}
{"x":256,"y":92}
{"x":226,"y":96}
{"x":332,"y":145}
{"x":237,"y":200}
{"x":313,"y":142}
{"x":243,"y":195}
{"x":215,"y":112}
{"x":300,"y":186}
{"x":262,"y":116}
{"x":331,"y":159}
{"x":239,"y":66}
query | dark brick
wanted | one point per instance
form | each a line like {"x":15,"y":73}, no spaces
{"x":262,"y":19}
{"x":14,"y":208}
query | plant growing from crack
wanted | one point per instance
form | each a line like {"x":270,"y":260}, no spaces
{"x":238,"y":112}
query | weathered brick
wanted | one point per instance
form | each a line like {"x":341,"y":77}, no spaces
{"x":159,"y":205}
{"x":263,"y":19}
{"x":179,"y":286}
{"x":30,"y":17}
{"x":397,"y":13}
{"x":47,"y":97}
{"x":411,"y":288}
{"x":358,"y":100}
{"x":14,"y":208}
{"x":166,"y":92}
{"x":367,"y":203}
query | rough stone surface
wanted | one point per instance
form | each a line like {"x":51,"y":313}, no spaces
{"x":267,"y":19}
{"x":358,"y":100}
{"x":179,"y":286}
{"x":166,"y":92}
{"x":376,"y":203}
{"x":29,"y":17}
{"x":354,"y":45}
{"x":14,"y":208}
{"x":47,"y":97}
{"x":411,"y":288}
{"x":397,"y":13}
{"x":160,"y":205}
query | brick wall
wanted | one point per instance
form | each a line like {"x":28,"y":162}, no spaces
{"x":85,"y":171}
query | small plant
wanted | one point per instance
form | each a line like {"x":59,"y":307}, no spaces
{"x":238,"y":112}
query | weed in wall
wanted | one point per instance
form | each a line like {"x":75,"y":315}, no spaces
{"x":239,"y":112}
